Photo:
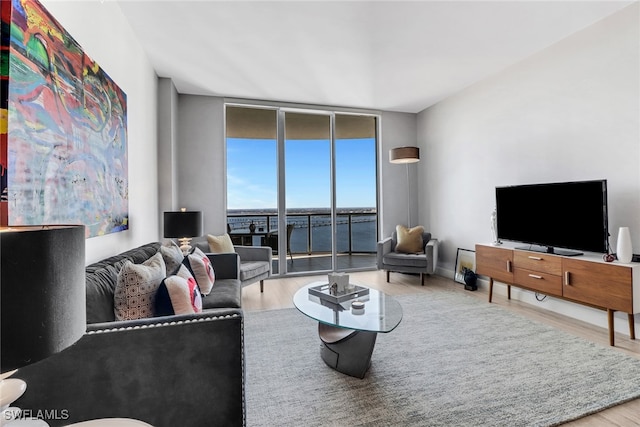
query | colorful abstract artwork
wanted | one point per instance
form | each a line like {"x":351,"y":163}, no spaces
{"x":63,"y":128}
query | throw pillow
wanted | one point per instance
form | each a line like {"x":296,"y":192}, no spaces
{"x":409,"y":239}
{"x":178,"y":294}
{"x":200,"y":266}
{"x":136,"y":288}
{"x":220,"y":244}
{"x":172,"y":256}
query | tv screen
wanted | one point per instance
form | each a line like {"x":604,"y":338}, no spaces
{"x":571,"y":215}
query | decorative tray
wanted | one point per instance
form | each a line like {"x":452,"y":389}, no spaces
{"x":322,"y":291}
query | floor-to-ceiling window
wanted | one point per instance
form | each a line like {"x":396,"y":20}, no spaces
{"x":303,"y":182}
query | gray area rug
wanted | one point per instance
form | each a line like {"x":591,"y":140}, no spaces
{"x":453,"y":361}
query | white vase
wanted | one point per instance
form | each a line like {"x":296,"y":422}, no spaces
{"x":623,"y":247}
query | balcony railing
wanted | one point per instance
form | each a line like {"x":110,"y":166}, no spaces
{"x":356,"y":230}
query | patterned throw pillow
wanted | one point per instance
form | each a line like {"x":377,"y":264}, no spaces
{"x":172,"y":256}
{"x":200,"y":266}
{"x":220,"y":244}
{"x":409,"y":239}
{"x":136,"y":288}
{"x":178,"y":294}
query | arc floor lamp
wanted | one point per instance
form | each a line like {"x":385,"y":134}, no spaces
{"x":406,"y":155}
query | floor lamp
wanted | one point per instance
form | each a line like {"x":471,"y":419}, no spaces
{"x":405,"y":155}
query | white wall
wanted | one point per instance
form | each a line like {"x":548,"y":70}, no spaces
{"x":570,"y":112}
{"x":105,"y":35}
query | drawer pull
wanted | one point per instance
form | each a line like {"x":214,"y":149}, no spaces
{"x":508,"y":266}
{"x":535,"y":276}
{"x":537,"y":258}
{"x":567,"y":278}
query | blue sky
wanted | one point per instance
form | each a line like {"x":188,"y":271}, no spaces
{"x":252,"y":173}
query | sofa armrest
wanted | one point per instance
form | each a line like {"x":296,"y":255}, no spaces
{"x":225,"y":266}
{"x":431,"y":252}
{"x":383,"y":247}
{"x":163,"y":374}
{"x":254,"y":253}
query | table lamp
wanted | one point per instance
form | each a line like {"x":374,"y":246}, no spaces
{"x":42,"y":300}
{"x":183,"y":225}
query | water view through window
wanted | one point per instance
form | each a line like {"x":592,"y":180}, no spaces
{"x":306,"y":162}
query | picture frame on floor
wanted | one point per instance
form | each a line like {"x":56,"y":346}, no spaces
{"x":465,"y":259}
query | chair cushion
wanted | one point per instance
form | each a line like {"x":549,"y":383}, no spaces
{"x":250,"y":269}
{"x":405,"y":260}
{"x":409,"y":239}
{"x":220,"y":244}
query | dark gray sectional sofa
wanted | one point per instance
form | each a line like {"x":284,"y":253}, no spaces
{"x":181,"y":370}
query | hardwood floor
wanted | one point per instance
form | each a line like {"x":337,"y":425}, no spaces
{"x":278,"y":293}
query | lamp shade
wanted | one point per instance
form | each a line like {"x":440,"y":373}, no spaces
{"x":182,"y":224}
{"x":404,"y":155}
{"x":42,"y":292}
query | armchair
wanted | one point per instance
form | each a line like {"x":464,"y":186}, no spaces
{"x":424,"y":263}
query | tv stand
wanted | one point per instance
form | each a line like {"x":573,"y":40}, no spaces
{"x":549,"y":250}
{"x":586,"y":280}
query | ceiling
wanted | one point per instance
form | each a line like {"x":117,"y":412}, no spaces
{"x":382,"y":55}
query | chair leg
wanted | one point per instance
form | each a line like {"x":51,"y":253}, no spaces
{"x":261,"y":285}
{"x":388,"y":276}
{"x":422,"y":278}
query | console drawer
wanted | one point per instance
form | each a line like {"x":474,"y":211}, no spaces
{"x":545,"y":283}
{"x":536,"y":261}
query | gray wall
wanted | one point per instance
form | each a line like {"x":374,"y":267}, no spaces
{"x":570,"y":112}
{"x":201,"y":161}
{"x":105,"y":35}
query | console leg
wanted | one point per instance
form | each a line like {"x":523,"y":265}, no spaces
{"x":490,"y":288}
{"x":632,"y":326}
{"x":611,"y":327}
{"x":508,"y":291}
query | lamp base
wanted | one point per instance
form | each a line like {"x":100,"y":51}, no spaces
{"x":185,"y":246}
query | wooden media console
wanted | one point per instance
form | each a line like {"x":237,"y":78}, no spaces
{"x":584,"y":279}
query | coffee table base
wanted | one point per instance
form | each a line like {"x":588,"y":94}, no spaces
{"x":346,"y":350}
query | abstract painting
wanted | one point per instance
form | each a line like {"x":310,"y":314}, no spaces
{"x":63,"y":128}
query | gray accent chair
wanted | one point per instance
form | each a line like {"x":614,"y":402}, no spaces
{"x":255,"y":261}
{"x":424,"y":263}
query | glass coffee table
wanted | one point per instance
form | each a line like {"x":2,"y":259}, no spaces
{"x":348,"y":334}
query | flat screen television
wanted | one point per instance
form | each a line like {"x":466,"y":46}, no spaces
{"x":568,"y":215}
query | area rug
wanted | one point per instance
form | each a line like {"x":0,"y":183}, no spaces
{"x":453,"y":361}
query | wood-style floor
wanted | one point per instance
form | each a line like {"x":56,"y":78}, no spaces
{"x":278,"y":293}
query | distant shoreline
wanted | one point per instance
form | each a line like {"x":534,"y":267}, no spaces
{"x":299,"y":211}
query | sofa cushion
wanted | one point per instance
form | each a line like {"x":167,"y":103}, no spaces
{"x":201,"y":269}
{"x":101,"y":285}
{"x":409,"y":239}
{"x":178,"y":294}
{"x":101,"y":279}
{"x":172,"y":256}
{"x":220,"y":244}
{"x":136,"y":288}
{"x":227,"y":293}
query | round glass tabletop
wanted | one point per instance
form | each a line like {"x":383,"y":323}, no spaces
{"x":381,"y":312}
